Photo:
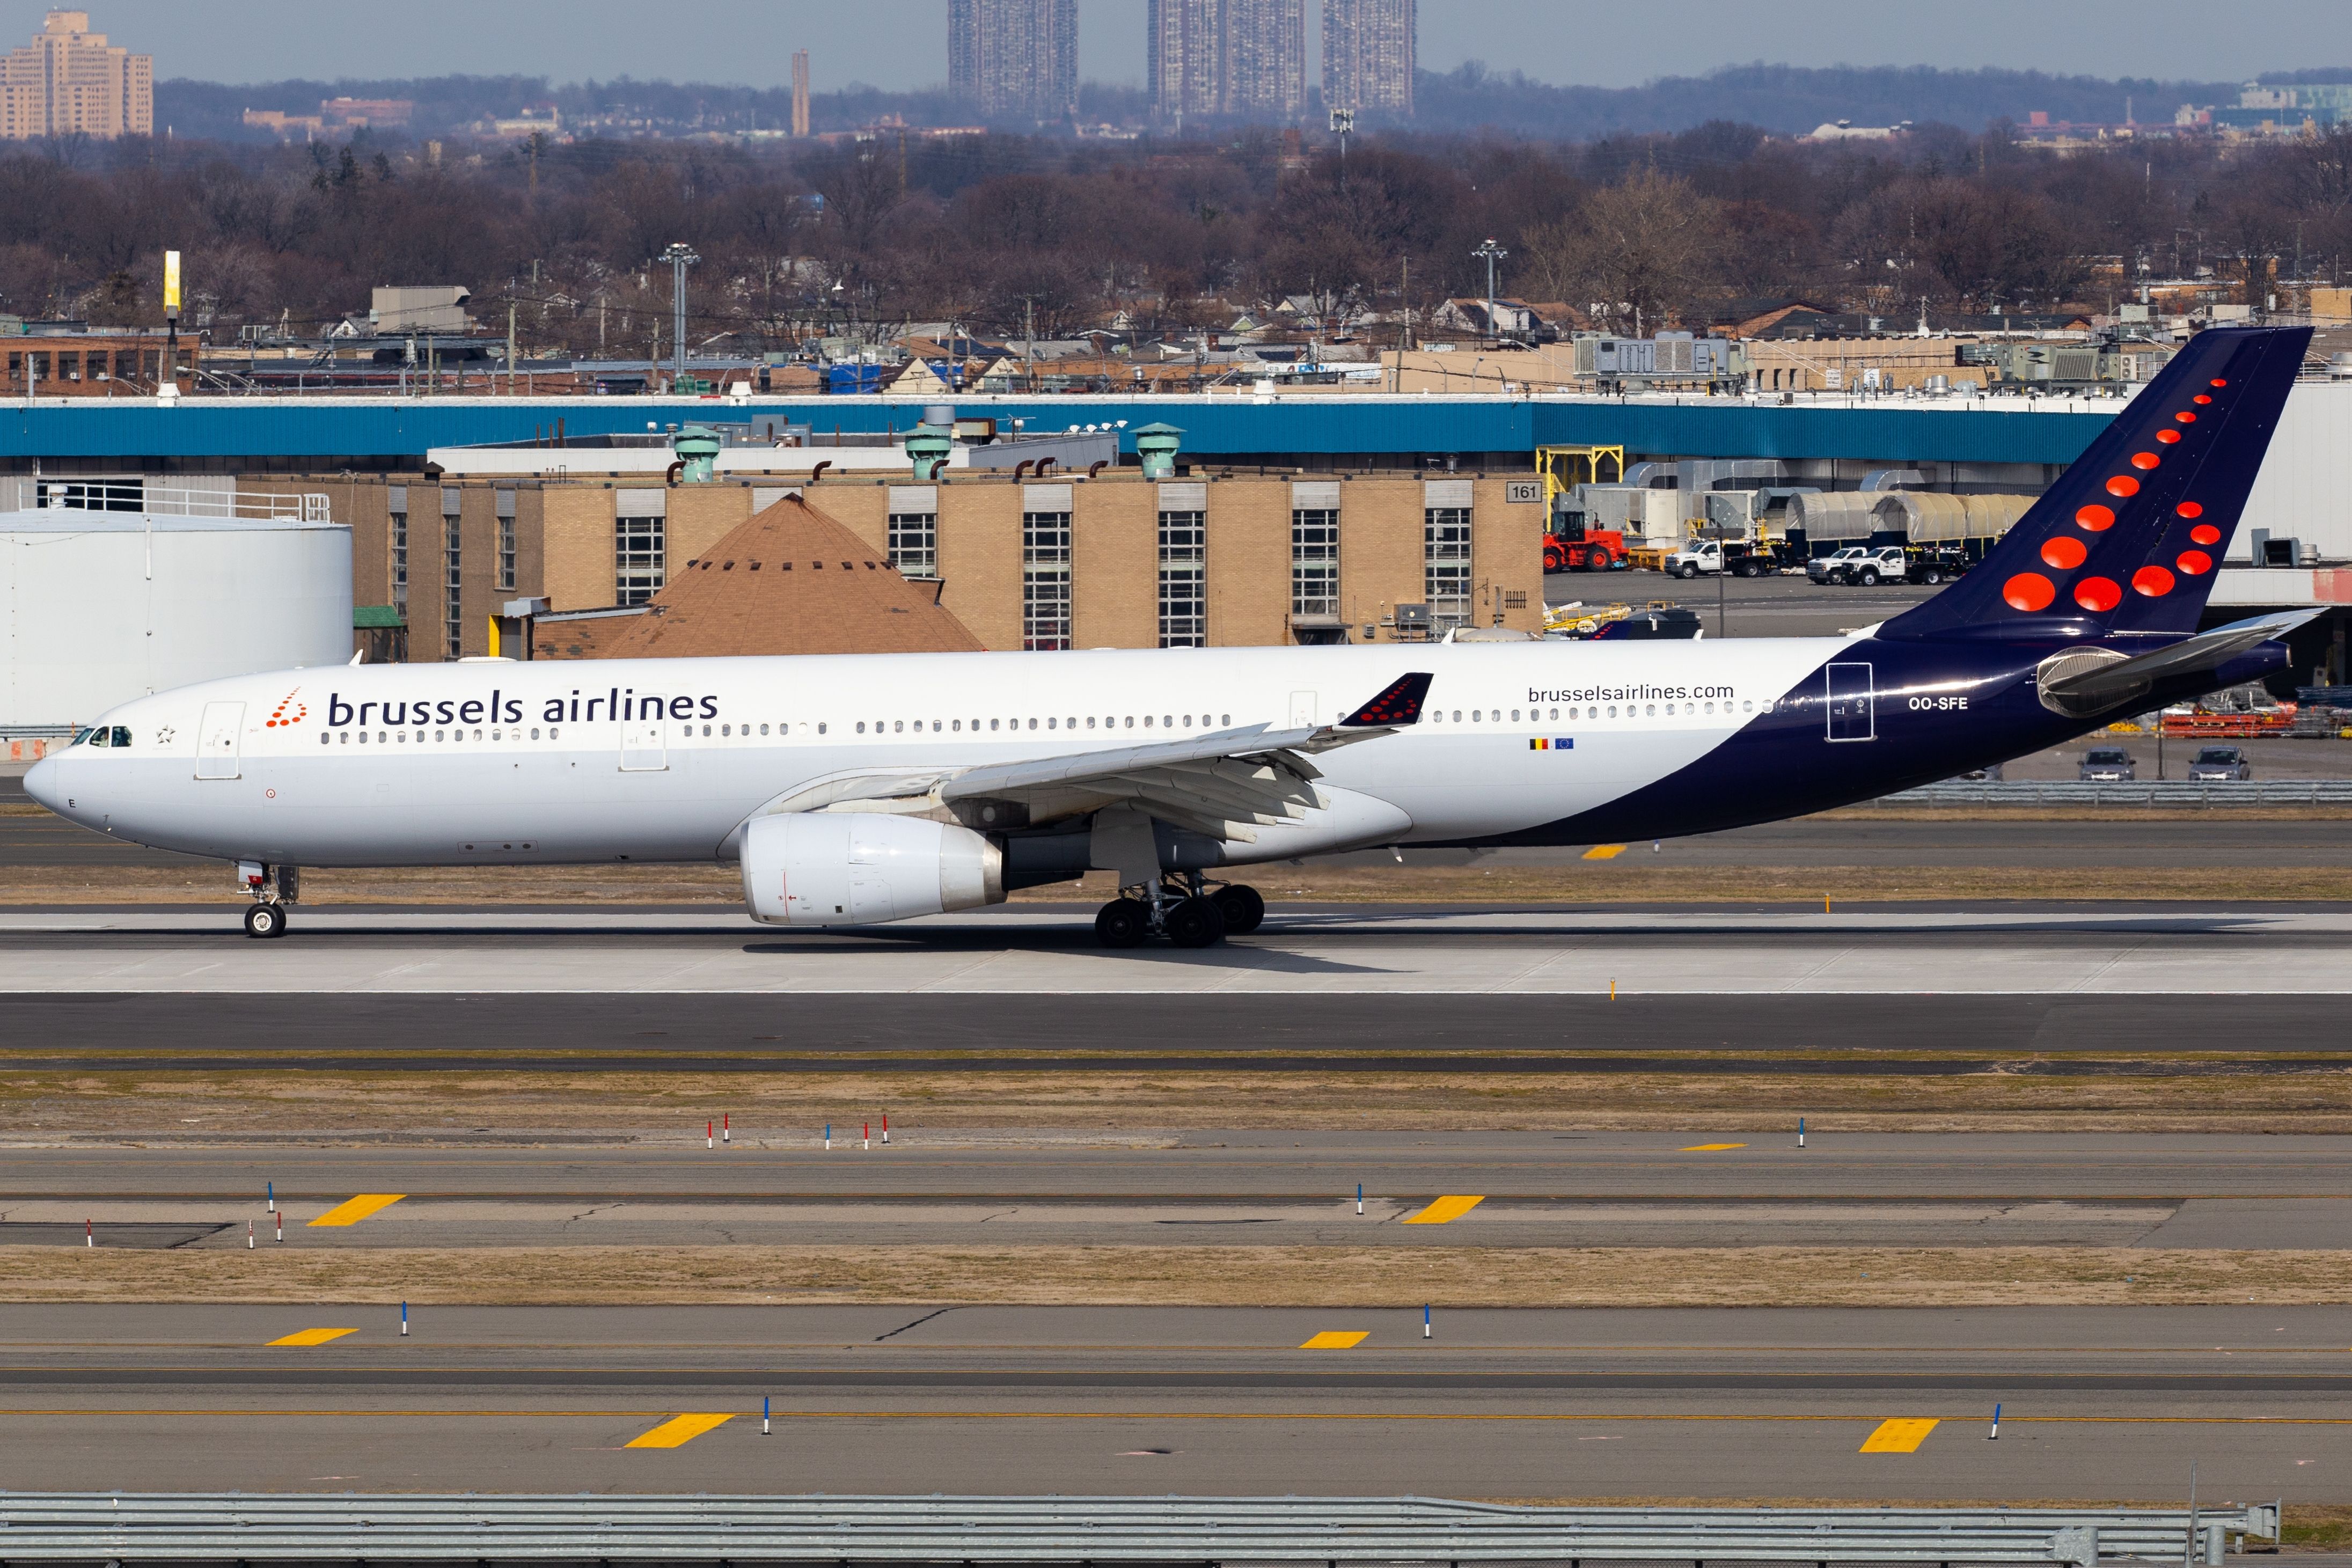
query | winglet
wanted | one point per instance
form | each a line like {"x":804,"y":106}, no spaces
{"x":1399,"y":704}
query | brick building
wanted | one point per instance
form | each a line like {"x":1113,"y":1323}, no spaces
{"x":1115,"y":561}
{"x":90,"y":364}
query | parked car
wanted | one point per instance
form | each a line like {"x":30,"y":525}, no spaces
{"x":2108,"y":764}
{"x":1989,"y":773}
{"x":2220,"y":765}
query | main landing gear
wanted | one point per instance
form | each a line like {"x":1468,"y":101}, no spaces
{"x":274,"y":888}
{"x":1180,"y":908}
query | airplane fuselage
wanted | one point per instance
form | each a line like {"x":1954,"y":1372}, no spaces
{"x":491,"y":762}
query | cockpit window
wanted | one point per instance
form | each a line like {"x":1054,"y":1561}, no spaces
{"x":121,"y":735}
{"x":82,"y":736}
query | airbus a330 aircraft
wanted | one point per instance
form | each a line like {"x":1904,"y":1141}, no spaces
{"x":859,"y":789}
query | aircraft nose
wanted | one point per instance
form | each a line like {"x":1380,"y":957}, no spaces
{"x":41,"y":783}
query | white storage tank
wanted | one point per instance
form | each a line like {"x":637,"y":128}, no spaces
{"x":106,"y":606}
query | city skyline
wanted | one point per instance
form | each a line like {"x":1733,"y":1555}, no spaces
{"x":752,"y":41}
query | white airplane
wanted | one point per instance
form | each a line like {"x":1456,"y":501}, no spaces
{"x":858,"y":789}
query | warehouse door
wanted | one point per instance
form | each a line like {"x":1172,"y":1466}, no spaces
{"x":1854,"y":706}
{"x":216,"y":740}
{"x":645,"y":739}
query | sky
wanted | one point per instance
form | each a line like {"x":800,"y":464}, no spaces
{"x":900,"y":44}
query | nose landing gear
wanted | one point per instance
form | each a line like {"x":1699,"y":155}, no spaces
{"x":1180,"y":907}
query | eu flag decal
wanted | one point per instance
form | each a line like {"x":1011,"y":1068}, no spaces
{"x":1564,"y":743}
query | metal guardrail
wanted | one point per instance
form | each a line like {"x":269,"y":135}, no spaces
{"x":2034,"y":791}
{"x":1231,"y":1532}
{"x":130,"y":495}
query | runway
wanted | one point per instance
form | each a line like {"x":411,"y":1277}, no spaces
{"x":2257,"y":951}
{"x":1533,"y":1404}
{"x":782,"y":1187}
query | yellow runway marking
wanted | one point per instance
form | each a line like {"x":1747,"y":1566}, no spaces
{"x":1899,"y":1437}
{"x":1710,"y":1148}
{"x":358,"y":1208}
{"x":679,"y":1430}
{"x":1604,"y":852}
{"x":1551,"y":1417}
{"x":1337,"y":1340}
{"x":313,"y":1336}
{"x":1444,"y":1210}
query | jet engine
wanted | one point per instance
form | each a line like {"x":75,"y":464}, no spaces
{"x":831,"y":869}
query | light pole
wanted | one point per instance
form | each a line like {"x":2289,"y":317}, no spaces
{"x":681,"y":256}
{"x":1342,"y":121}
{"x":1493,"y":253}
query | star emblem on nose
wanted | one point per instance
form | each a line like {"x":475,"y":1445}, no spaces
{"x":163,"y":736}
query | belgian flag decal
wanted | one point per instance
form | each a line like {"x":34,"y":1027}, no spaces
{"x":1565,"y":743}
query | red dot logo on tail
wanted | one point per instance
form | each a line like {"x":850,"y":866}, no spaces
{"x":288,"y":712}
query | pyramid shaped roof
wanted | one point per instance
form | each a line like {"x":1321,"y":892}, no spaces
{"x":791,"y":580}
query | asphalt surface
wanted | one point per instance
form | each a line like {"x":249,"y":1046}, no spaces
{"x":782,"y":1187}
{"x":2107,"y":1404}
{"x":1795,"y":1034}
{"x":2265,"y":952}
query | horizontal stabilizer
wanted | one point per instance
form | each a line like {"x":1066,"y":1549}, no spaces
{"x":2083,"y":681}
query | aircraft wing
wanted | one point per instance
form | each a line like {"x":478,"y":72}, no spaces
{"x":1224,"y":784}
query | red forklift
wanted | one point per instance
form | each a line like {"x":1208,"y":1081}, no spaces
{"x":1570,"y":545}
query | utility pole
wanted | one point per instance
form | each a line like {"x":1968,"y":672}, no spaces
{"x":511,"y":346}
{"x":1342,"y":121}
{"x":681,"y":256}
{"x":1493,"y":253}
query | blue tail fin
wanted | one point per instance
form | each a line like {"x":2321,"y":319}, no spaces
{"x":2129,"y":537}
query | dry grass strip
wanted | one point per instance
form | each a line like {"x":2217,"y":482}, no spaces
{"x":459,"y":1106}
{"x":1362,"y":1276}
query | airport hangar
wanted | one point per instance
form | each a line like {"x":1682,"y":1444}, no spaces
{"x":487,"y":500}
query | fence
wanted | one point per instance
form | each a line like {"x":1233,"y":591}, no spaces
{"x":134,"y":495}
{"x":2030,"y":792}
{"x":1333,"y":1531}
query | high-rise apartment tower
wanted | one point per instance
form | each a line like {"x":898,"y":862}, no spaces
{"x":70,"y":79}
{"x":1368,"y":55}
{"x":1015,"y":58}
{"x":1229,"y":58}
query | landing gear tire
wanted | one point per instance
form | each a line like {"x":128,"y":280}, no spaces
{"x":1123,"y":922}
{"x":1244,"y":910}
{"x":1195,"y":922}
{"x":265,"y":920}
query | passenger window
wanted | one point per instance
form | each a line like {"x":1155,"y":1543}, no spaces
{"x":820,"y":728}
{"x":1090,"y":720}
{"x":956,"y":724}
{"x":1033,"y":723}
{"x":1515,"y":715}
{"x":1224,"y":719}
{"x":994,"y":723}
{"x":861,"y":726}
{"x":1053,"y":723}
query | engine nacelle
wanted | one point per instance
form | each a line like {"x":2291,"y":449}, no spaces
{"x":834,"y":869}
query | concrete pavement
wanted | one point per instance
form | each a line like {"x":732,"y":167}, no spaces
{"x":2109,"y":1403}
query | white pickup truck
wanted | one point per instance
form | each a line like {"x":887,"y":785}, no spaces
{"x":1868,"y":565}
{"x":1707,"y":555}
